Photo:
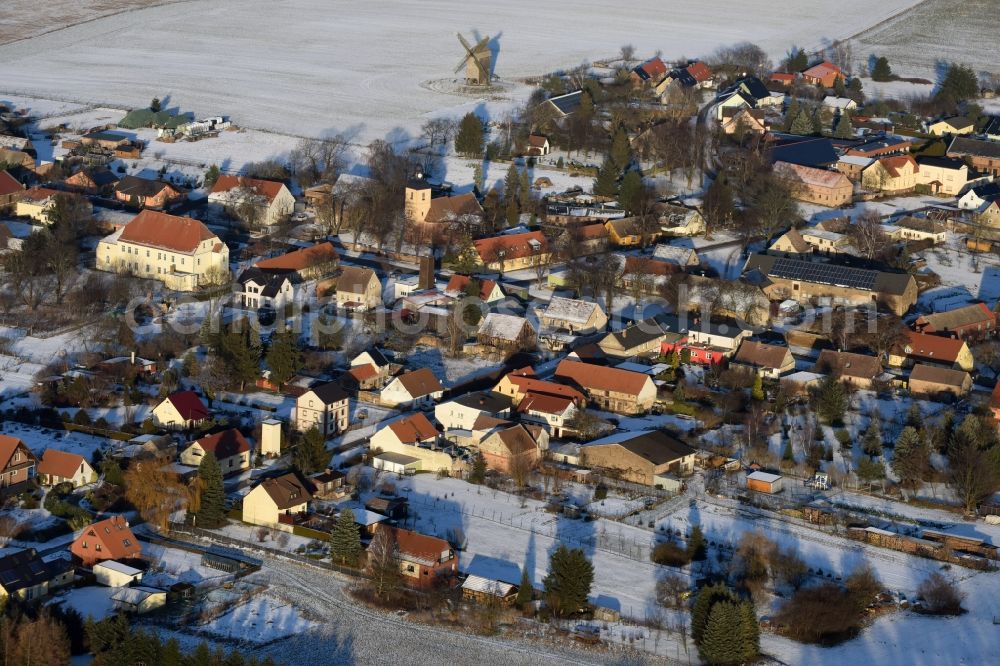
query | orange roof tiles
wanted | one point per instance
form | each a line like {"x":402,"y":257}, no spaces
{"x":297,"y":260}
{"x":591,"y":376}
{"x":414,"y":428}
{"x":169,"y":232}
{"x":267,"y":188}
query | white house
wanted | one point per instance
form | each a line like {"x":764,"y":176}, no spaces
{"x":412,"y":389}
{"x":271,"y":199}
{"x":839,"y":104}
{"x":229,"y":447}
{"x":183,"y":409}
{"x":139,"y":600}
{"x":60,"y":467}
{"x":978,"y":197}
{"x":276,"y":501}
{"x":553,"y":412}
{"x":323,"y":407}
{"x":265,"y":290}
{"x":462,"y":412}
{"x":575,"y":316}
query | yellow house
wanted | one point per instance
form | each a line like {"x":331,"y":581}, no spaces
{"x":358,"y":289}
{"x":894,"y":174}
{"x":324,"y":407}
{"x":943,"y":175}
{"x":625,"y":232}
{"x":180,"y":252}
{"x":179,"y":410}
{"x":36,"y":203}
{"x":276,"y":502}
{"x":951,"y":126}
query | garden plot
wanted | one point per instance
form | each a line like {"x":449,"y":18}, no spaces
{"x":262,"y":619}
{"x":38,"y":439}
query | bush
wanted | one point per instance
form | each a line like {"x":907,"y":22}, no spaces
{"x":844,"y":438}
{"x":825,"y":614}
{"x":940,"y":595}
{"x":600,"y":492}
{"x":670,"y":554}
{"x":682,"y":408}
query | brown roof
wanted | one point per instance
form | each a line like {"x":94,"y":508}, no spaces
{"x":39,"y":194}
{"x":286,"y":491}
{"x":297,"y":260}
{"x":957,"y":318}
{"x":590,"y":232}
{"x":931,"y":347}
{"x":699,"y":71}
{"x":936,"y":375}
{"x":363,"y":372}
{"x":188,"y":405}
{"x":143,"y":187}
{"x":513,"y":246}
{"x":267,"y":188}
{"x":517,"y":440}
{"x":415,"y":546}
{"x":528,"y":384}
{"x":488,"y":422}
{"x":59,"y":463}
{"x":761,"y":355}
{"x":9,"y":184}
{"x":649,"y":266}
{"x":414,"y":428}
{"x":460,"y":282}
{"x":536,"y":140}
{"x":8,"y":445}
{"x":225,"y":444}
{"x":354,"y":279}
{"x":602,"y":378}
{"x":895,"y":163}
{"x":847,"y":364}
{"x":822,"y":70}
{"x":112,"y":533}
{"x":444,"y":209}
{"x":810,"y":175}
{"x":420,"y":382}
{"x":799,"y":244}
{"x":162,"y":230}
{"x":545,"y":403}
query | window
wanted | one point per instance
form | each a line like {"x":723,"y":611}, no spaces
{"x":127,"y":542}
{"x":97,"y":547}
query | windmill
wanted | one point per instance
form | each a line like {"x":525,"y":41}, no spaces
{"x":476,"y":62}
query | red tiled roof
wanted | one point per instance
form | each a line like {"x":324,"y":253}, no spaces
{"x":460,"y":282}
{"x":39,"y":194}
{"x":225,"y":444}
{"x":363,"y":372}
{"x":591,"y":376}
{"x":9,"y":184}
{"x":111,"y":533}
{"x":443,"y":209}
{"x":513,"y":246}
{"x":180,"y":234}
{"x":782,"y":77}
{"x":188,"y":405}
{"x":654,"y":68}
{"x":420,"y":382}
{"x":60,"y":463}
{"x":8,"y":445}
{"x":297,"y":260}
{"x":699,"y":71}
{"x":416,"y":546}
{"x":414,"y":428}
{"x":895,"y":163}
{"x":648,"y":266}
{"x":932,"y":347}
{"x":545,"y":403}
{"x":529,"y":384}
{"x":267,"y":188}
{"x":822,"y":70}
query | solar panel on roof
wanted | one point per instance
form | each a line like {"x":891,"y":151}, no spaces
{"x":843,"y":276}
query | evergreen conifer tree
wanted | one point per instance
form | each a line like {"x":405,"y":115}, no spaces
{"x":212,"y":512}
{"x":791,"y":114}
{"x":284,"y":357}
{"x":696,"y":544}
{"x":802,"y":124}
{"x":469,"y":139}
{"x":757,"y":391}
{"x":720,"y":643}
{"x":525,"y":592}
{"x":606,"y":183}
{"x":630,"y":191}
{"x":621,"y":149}
{"x":871,"y":441}
{"x":881,"y":71}
{"x":568,"y":582}
{"x":311,"y":454}
{"x":844,"y":129}
{"x":345,"y":539}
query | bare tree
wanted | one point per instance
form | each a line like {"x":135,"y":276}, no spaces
{"x":383,"y":565}
{"x":627,"y":52}
{"x":438,"y":131}
{"x":319,"y":160}
{"x":868,"y":236}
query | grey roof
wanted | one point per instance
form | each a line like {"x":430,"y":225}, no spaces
{"x":992,"y":125}
{"x":271,"y":282}
{"x":940,"y":162}
{"x":487,"y":401}
{"x":829,"y":273}
{"x":330,"y":393}
{"x":656,"y":446}
{"x":568,"y":103}
{"x":25,"y":568}
{"x":962,"y":146}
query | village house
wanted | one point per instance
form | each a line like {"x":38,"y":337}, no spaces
{"x":553,"y":412}
{"x":229,"y":447}
{"x":706,"y":341}
{"x":369,"y":370}
{"x":790,"y":242}
{"x":324,"y":407}
{"x":823,"y":74}
{"x":108,"y":539}
{"x":37,"y":202}
{"x":979,"y":196}
{"x":306,"y":263}
{"x":359,"y":289}
{"x":648,"y":73}
{"x":17,"y":464}
{"x":411,"y":443}
{"x":104,"y":140}
{"x":858,"y":370}
{"x":737,"y":120}
{"x":839,"y":105}
{"x":749,"y":92}
{"x":644,"y":275}
{"x":880,"y":146}
{"x":538,"y":146}
{"x":974,"y":323}
{"x":620,"y":391}
{"x":513,"y":251}
{"x":268,"y":202}
{"x":944,"y":176}
{"x":682,"y":257}
{"x":916,"y":229}
{"x":265,"y":290}
{"x":462,"y":412}
{"x":853,"y":166}
{"x":891,"y":175}
{"x":412,"y":389}
{"x":983,"y":156}
{"x":145,"y":193}
{"x":629,"y":232}
{"x":953,"y":126}
{"x":10,"y":191}
{"x":523,"y":383}
{"x":488,"y":291}
{"x":138,"y":600}
{"x":512,"y":449}
{"x":771,"y":361}
{"x":932,"y":350}
{"x":179,"y":251}
{"x":24,"y":575}
{"x":784,"y":278}
{"x":825,"y":242}
{"x":935,"y":382}
{"x":277,"y":502}
{"x":424,"y":561}
{"x":505,"y":334}
{"x":92,"y":181}
{"x":115,"y":574}
{"x":818,"y":186}
{"x":181,"y":410}
{"x":58,"y":467}
{"x":574,"y":316}
{"x":648,"y":457}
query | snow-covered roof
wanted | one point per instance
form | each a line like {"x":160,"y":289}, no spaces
{"x":503,"y":326}
{"x":831,"y":236}
{"x":135,"y":595}
{"x":118,"y":567}
{"x":764,"y":477}
{"x":569,"y":309}
{"x":674,"y":254}
{"x":487,"y":586}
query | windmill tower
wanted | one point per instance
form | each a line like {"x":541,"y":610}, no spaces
{"x":477,"y":61}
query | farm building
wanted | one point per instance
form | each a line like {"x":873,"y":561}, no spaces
{"x":764,"y":482}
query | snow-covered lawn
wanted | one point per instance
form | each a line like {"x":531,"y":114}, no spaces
{"x":38,"y":439}
{"x":262,"y":619}
{"x":340,"y":71}
{"x":173,"y":565}
{"x":94,"y":602}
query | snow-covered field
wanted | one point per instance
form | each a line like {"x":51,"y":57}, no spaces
{"x":260,"y":620}
{"x":375,"y":70}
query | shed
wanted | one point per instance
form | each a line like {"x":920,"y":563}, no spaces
{"x":480,"y":589}
{"x":227,"y":559}
{"x":764,"y":482}
{"x":116,"y":574}
{"x":397,"y":463}
{"x":139,"y":599}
